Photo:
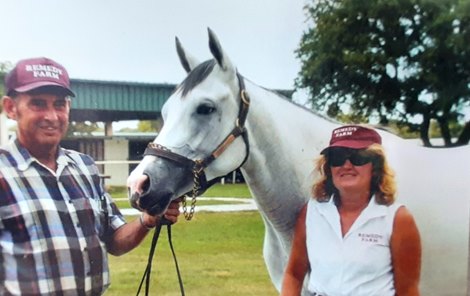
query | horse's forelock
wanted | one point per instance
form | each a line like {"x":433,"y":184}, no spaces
{"x":196,"y":76}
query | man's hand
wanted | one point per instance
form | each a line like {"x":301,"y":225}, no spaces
{"x":173,"y":211}
{"x":171,"y":215}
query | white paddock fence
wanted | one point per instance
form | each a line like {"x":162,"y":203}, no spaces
{"x":115,"y":172}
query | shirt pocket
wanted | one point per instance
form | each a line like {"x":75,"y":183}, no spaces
{"x":19,"y":226}
{"x":90,"y":215}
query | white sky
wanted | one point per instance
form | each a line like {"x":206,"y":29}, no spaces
{"x":134,"y":40}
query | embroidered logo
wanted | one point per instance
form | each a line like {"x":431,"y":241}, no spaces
{"x":49,"y":71}
{"x":370,"y":237}
{"x":343,"y":132}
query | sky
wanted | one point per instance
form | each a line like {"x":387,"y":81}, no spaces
{"x":135,"y":40}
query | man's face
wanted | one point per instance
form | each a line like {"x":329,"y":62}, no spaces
{"x":42,"y":119}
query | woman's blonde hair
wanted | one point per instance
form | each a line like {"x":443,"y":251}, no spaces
{"x":382,"y":184}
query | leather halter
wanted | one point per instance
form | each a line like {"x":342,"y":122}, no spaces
{"x":197,"y":166}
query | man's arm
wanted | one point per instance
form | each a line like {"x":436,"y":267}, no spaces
{"x":130,"y":235}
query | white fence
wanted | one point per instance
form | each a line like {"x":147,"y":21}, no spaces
{"x":116,"y":171}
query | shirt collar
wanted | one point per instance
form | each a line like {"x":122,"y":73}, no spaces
{"x":331,"y":214}
{"x":373,"y":209}
{"x":24,"y":159}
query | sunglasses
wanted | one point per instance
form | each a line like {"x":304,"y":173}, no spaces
{"x":336,"y":157}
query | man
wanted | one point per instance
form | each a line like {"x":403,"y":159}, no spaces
{"x":56,"y":221}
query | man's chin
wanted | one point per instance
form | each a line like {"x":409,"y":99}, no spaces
{"x":49,"y":140}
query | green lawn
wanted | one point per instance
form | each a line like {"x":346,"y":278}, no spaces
{"x":218,"y":254}
{"x":123,"y":204}
{"x":228,"y":190}
{"x":218,"y":190}
{"x":119,"y":194}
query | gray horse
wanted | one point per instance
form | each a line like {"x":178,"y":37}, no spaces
{"x":217,"y":121}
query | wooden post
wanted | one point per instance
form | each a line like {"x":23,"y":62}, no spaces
{"x":108,"y":129}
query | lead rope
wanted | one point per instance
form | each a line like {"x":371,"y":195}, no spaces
{"x":148,"y":269}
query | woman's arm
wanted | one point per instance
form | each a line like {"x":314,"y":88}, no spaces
{"x":406,"y":253}
{"x":298,"y":264}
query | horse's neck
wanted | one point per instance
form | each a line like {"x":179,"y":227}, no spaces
{"x":284,"y":141}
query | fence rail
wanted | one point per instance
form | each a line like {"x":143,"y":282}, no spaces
{"x":230,"y":178}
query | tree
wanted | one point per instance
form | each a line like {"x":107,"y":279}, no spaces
{"x":405,"y":61}
{"x":82,"y":128}
{"x":4,"y":68}
{"x":150,"y":125}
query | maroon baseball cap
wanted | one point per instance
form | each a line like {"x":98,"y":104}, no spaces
{"x":353,"y":136}
{"x":30,"y":74}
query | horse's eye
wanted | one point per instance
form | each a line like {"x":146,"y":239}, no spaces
{"x":205,"y":109}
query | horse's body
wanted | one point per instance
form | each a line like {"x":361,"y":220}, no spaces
{"x":284,"y":140}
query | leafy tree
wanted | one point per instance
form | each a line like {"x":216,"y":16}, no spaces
{"x":4,"y":68}
{"x":82,"y":128}
{"x":150,"y":125}
{"x":395,"y":60}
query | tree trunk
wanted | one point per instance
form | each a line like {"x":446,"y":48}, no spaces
{"x":424,"y":130}
{"x":464,"y":137}
{"x":445,"y":132}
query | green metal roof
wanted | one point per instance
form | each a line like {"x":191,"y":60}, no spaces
{"x":116,"y":100}
{"x":104,"y":101}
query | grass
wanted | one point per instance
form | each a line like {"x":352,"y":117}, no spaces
{"x":218,"y":190}
{"x":123,"y":204}
{"x":228,"y":190}
{"x":218,"y":254}
{"x":119,"y":194}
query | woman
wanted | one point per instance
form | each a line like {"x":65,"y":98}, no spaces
{"x":352,"y":238}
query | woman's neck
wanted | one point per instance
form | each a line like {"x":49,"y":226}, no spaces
{"x":352,"y":202}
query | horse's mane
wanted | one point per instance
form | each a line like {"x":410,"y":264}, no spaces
{"x":202,"y":71}
{"x":196,"y":76}
{"x":290,"y":101}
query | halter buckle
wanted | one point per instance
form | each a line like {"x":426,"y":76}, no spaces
{"x":244,"y":96}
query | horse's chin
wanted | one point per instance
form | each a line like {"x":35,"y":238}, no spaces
{"x":150,"y":204}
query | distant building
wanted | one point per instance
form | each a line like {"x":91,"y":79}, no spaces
{"x":116,"y":154}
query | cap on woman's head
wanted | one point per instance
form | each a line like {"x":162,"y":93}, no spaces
{"x":31,"y":74}
{"x":353,"y":136}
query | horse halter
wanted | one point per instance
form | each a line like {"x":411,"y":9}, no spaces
{"x":200,"y":183}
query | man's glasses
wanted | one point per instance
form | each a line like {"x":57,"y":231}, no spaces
{"x":337,"y":156}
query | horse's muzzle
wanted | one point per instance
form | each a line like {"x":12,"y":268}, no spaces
{"x":165,"y":181}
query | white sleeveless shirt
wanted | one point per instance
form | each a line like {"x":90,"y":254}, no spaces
{"x":360,"y":263}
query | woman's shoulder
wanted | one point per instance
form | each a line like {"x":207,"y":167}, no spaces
{"x":403,"y":220}
{"x":394,"y":207}
{"x":314,"y":204}
{"x":403,"y":214}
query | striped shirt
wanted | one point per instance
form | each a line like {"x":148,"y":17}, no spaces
{"x":52,"y":225}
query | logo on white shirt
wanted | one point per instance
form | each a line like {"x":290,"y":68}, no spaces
{"x":370,"y":237}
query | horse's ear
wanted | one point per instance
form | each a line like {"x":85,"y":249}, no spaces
{"x":186,"y":59}
{"x":217,"y":51}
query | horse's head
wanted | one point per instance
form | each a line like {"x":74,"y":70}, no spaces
{"x":201,"y":120}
